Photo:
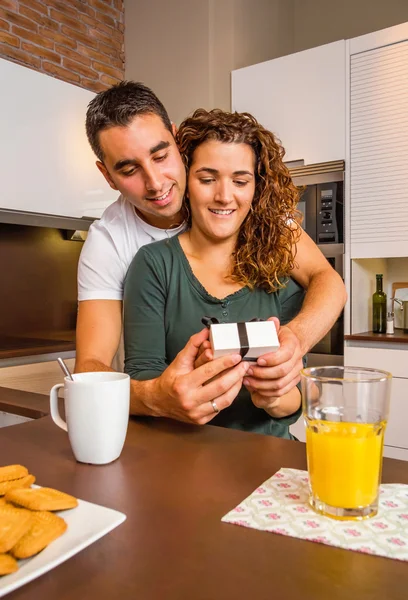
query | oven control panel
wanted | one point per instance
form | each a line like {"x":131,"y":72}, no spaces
{"x":327,"y":208}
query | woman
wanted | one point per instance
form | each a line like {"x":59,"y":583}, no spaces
{"x":232,"y":263}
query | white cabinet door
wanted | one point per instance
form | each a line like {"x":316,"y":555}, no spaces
{"x":378,"y":152}
{"x":299,"y":429}
{"x":46,"y":164}
{"x":396,"y":434}
{"x":396,"y":362}
{"x":301,"y":98}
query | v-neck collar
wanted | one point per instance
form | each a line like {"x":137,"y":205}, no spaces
{"x":197,"y":283}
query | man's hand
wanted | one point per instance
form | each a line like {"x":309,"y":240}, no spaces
{"x":186,"y":393}
{"x":276,"y":373}
{"x":204,"y":354}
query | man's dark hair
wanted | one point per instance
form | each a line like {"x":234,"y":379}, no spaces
{"x":118,"y":106}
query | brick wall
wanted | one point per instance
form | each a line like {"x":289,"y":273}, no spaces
{"x":79,"y":41}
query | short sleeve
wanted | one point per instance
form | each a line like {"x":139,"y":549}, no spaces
{"x":101,"y":272}
{"x":144,"y":305}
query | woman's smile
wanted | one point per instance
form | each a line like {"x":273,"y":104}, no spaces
{"x":221,"y":212}
{"x":221,"y":187}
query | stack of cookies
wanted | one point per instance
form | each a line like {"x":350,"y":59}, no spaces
{"x":27,"y":521}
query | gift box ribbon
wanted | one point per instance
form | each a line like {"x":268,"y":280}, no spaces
{"x":242,"y":332}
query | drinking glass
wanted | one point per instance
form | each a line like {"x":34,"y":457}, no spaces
{"x":346,"y":411}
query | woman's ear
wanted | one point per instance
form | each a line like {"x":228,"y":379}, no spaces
{"x":174,"y":128}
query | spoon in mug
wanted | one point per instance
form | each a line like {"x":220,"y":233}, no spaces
{"x":64,"y":368}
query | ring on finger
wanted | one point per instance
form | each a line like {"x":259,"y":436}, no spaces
{"x":215,"y":407}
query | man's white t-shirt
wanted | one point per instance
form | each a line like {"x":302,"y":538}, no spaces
{"x":110,"y":247}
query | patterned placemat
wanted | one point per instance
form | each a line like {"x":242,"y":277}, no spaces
{"x":280,"y":505}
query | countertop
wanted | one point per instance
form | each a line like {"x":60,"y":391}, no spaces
{"x":25,"y":404}
{"x":36,"y":343}
{"x":399,"y":337}
{"x":175,"y":482}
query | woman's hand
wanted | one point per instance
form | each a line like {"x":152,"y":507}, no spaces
{"x":277,"y":373}
{"x":278,"y":407}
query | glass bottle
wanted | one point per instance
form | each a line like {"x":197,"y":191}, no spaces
{"x":379,"y":307}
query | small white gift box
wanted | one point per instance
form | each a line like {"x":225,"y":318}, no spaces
{"x":251,"y":340}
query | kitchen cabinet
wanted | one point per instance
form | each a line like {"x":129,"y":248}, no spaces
{"x":301,"y":98}
{"x":396,"y":362}
{"x":46,"y":164}
{"x":388,"y":359}
{"x":378,"y":144}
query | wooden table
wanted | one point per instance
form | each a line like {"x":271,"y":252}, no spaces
{"x":175,"y":482}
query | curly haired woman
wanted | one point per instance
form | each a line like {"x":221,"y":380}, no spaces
{"x":233,"y":262}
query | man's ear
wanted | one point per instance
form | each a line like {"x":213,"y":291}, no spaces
{"x":174,"y":129}
{"x":106,"y":174}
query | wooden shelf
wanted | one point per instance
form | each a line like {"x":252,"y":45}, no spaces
{"x":399,"y":337}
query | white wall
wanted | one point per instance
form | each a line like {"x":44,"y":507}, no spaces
{"x":318,"y":22}
{"x":263,"y":29}
{"x":185,"y":50}
{"x":166,"y":47}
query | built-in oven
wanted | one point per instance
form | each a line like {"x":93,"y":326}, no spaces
{"x":322,"y":206}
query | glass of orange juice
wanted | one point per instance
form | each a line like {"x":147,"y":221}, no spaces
{"x":346,"y":411}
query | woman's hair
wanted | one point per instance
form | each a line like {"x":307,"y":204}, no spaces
{"x":266,"y":246}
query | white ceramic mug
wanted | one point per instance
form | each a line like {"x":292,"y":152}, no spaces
{"x":97,"y":413}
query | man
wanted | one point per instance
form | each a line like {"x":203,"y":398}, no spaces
{"x":131,"y":134}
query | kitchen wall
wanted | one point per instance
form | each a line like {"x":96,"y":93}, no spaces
{"x":318,"y":22}
{"x":186,"y":49}
{"x":78,"y":41}
{"x":39,"y":284}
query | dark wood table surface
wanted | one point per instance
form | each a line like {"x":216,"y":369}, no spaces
{"x":175,"y":482}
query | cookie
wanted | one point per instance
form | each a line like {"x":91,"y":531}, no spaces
{"x":13,"y":484}
{"x":14,"y":523}
{"x":41,"y":499}
{"x":12,"y":472}
{"x":45,"y":528}
{"x":8,"y":564}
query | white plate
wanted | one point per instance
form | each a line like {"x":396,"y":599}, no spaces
{"x":86,"y":523}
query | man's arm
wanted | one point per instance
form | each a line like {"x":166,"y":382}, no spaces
{"x":181,"y":392}
{"x":187,"y":394}
{"x":99,"y":326}
{"x":277,"y":373}
{"x":325,"y":297}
